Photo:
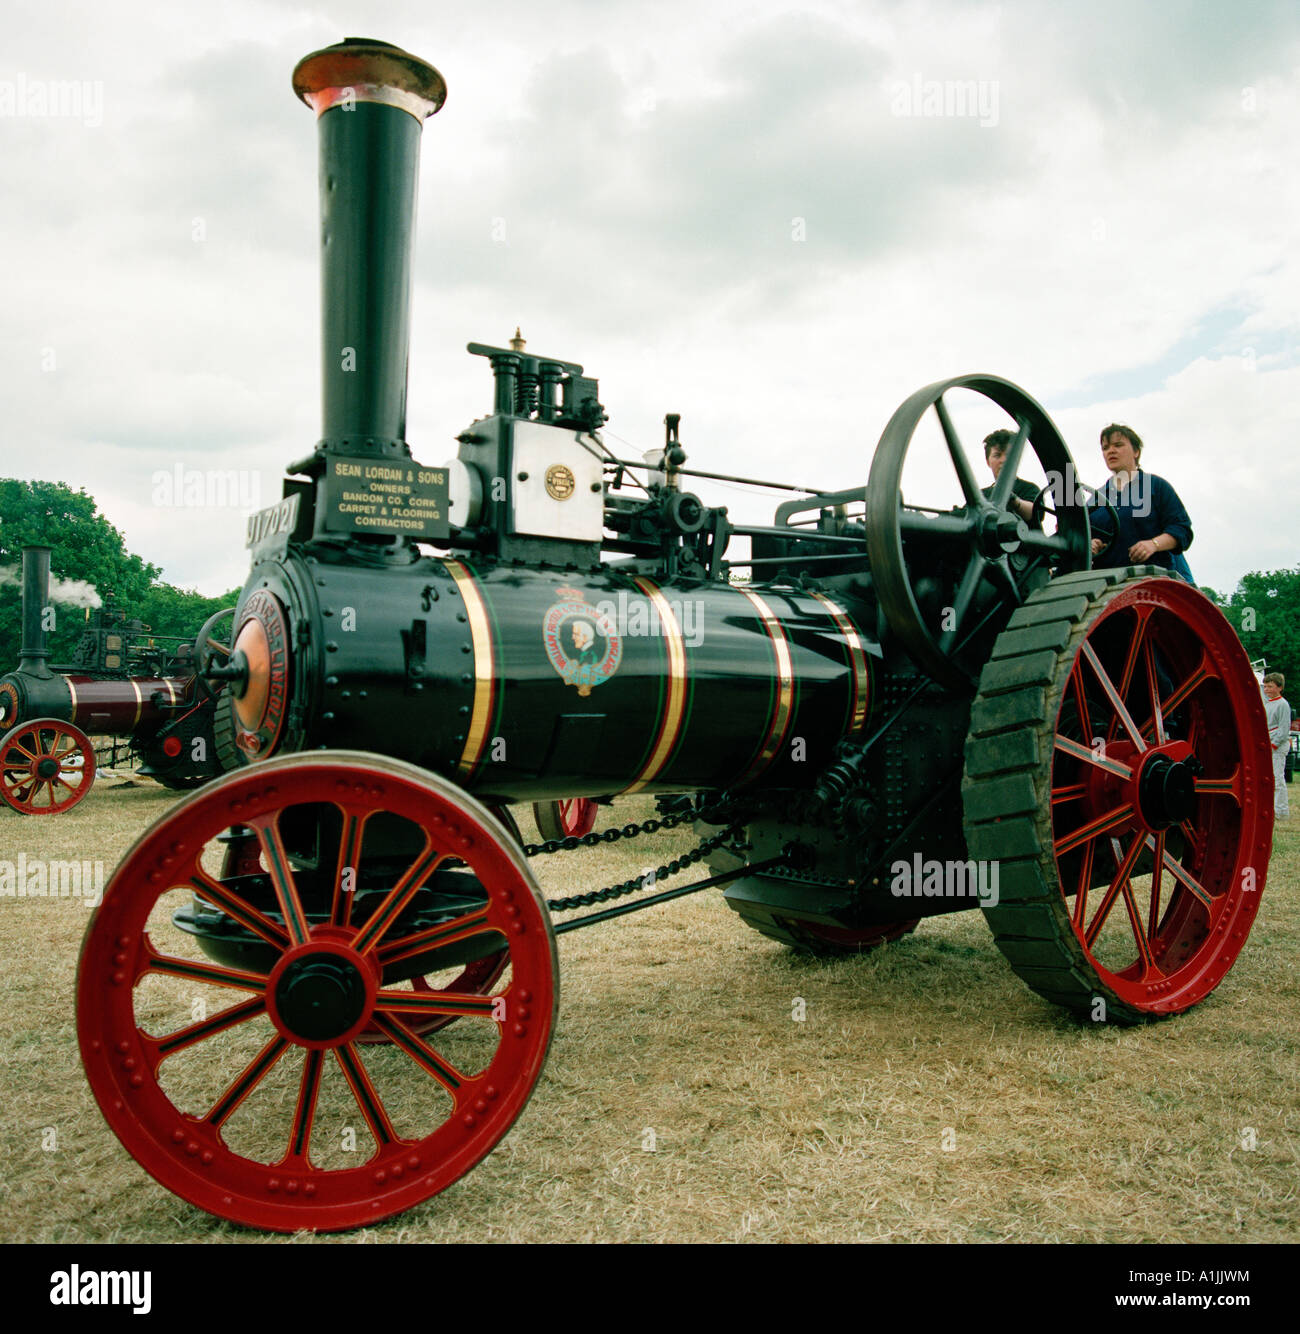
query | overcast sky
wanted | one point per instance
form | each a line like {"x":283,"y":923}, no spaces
{"x":736,"y":211}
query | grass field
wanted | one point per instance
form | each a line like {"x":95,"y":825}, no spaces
{"x":925,"y":1095}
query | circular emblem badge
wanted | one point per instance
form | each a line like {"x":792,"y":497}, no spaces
{"x":581,"y":641}
{"x":8,"y":705}
{"x":560,"y":482}
{"x":259,"y":709}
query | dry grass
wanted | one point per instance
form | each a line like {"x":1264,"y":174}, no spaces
{"x":831,"y":1129}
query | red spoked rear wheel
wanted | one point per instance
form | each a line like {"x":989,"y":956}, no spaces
{"x":244,"y":1089}
{"x":1151,"y":795}
{"x":571,"y":817}
{"x":46,"y":766}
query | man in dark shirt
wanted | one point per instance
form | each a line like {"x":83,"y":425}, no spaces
{"x":1022,"y":492}
{"x":1153,"y":523}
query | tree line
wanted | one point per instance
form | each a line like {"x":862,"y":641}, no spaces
{"x":1264,"y":608}
{"x":86,"y":553}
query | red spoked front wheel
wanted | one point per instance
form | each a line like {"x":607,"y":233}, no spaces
{"x":478,"y":977}
{"x":1131,"y":820}
{"x":46,"y":766}
{"x":571,"y":817}
{"x":243,"y":856}
{"x":241,"y":1086}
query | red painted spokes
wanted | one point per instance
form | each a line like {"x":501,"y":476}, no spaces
{"x":46,"y":766}
{"x":571,"y":817}
{"x":1160,"y":818}
{"x":241,"y":1086}
{"x":478,"y":977}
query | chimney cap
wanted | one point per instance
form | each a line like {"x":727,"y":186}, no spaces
{"x":361,"y":69}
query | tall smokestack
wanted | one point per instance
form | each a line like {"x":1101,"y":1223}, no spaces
{"x":36,"y":597}
{"x":371,"y":100}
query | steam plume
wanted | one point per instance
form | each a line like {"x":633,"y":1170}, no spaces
{"x":78,"y":592}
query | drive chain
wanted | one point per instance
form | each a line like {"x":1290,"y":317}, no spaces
{"x":613,"y":835}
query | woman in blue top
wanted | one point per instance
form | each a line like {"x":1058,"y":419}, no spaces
{"x":1153,"y":524}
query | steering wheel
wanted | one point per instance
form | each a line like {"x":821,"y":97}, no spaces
{"x":1041,"y":508}
{"x":211,"y":650}
{"x":943,"y":578}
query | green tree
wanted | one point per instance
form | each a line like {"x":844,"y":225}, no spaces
{"x":87,"y":549}
{"x":176,"y":611}
{"x":84,"y":547}
{"x":1264,"y":610}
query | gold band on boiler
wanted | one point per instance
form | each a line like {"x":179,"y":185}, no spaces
{"x":779,"y":722}
{"x":857,"y":660}
{"x":670,"y":725}
{"x":72,"y":690}
{"x":139,"y":701}
{"x":480,"y":630}
{"x":171,"y":691}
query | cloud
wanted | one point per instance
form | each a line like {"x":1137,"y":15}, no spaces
{"x":718,"y":213}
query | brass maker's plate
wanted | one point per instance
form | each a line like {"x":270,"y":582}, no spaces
{"x":560,"y":482}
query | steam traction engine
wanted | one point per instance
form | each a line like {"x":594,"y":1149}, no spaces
{"x":124,"y":683}
{"x":897,"y":687}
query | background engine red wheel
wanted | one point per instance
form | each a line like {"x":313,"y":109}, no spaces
{"x":1130,"y":808}
{"x":46,"y":766}
{"x":243,"y":1088}
{"x":571,"y":817}
{"x":814,"y":938}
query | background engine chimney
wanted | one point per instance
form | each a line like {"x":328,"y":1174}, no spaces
{"x":36,"y":597}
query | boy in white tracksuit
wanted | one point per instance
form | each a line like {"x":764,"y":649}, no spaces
{"x":1278,"y":713}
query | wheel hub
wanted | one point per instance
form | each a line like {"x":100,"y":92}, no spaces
{"x":1000,"y":532}
{"x":47,"y":768}
{"x":320,"y":997}
{"x":1166,"y":791}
